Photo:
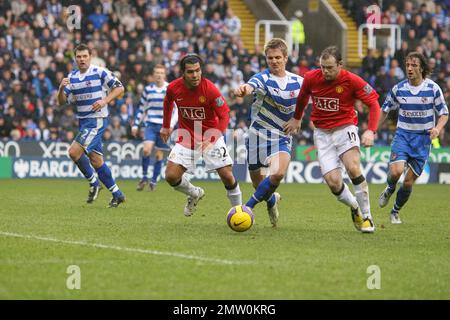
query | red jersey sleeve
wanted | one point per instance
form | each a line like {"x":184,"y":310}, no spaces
{"x":221,"y":108}
{"x":368,"y":95}
{"x":168,"y":107}
{"x":303,"y":98}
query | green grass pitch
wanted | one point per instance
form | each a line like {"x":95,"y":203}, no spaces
{"x":147,"y":249}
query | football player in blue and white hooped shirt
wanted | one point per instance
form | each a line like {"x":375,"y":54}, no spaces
{"x":275,"y":93}
{"x":90,"y":88}
{"x":417,"y":100}
{"x":151,"y":110}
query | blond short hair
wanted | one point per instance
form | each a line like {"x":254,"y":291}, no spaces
{"x":277,"y":43}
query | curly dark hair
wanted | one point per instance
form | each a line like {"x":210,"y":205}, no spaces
{"x":426,"y":70}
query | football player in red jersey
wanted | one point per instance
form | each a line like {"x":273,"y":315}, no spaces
{"x":203,"y":118}
{"x":333,"y":91}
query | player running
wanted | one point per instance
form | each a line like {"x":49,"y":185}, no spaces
{"x":275,"y":91}
{"x":333,"y":91}
{"x":202,"y":117}
{"x":151,"y":108}
{"x":417,"y":99}
{"x":87,"y":88}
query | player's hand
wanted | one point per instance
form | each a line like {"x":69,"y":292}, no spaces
{"x":165,"y":134}
{"x":98,"y":105}
{"x":242,"y":90}
{"x":134,"y":131}
{"x":434,"y":133}
{"x":367,"y":138}
{"x":292,"y":126}
{"x":64,"y":83}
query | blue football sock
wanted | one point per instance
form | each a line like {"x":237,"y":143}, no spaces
{"x":145,"y":164}
{"x":271,"y":202}
{"x":156,"y":170}
{"x":263,"y":192}
{"x":86,"y":169}
{"x":105,"y":176}
{"x":391,"y":184}
{"x":402,"y":197}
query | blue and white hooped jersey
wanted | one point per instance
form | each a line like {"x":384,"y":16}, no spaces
{"x":417,"y":106}
{"x":85,"y":89}
{"x":274,"y":103}
{"x":151,"y":106}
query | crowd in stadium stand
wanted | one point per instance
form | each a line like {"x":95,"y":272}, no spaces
{"x":130,"y":37}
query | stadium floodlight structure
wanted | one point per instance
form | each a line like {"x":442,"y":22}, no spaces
{"x":283,"y":33}
{"x":394,"y":39}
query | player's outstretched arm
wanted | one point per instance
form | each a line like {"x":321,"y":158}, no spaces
{"x":434,"y":132}
{"x":383,"y":117}
{"x":243,"y":90}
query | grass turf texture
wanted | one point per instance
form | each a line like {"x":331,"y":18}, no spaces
{"x":314,"y":253}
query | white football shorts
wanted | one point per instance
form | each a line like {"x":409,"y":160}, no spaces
{"x":215,"y":158}
{"x":332,"y":143}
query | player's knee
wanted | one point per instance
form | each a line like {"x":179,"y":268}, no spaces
{"x":74,"y":154}
{"x":408,"y":183}
{"x":354,"y":170}
{"x":146,"y":152}
{"x":159,"y":155}
{"x":277,"y":177}
{"x":96,"y":160}
{"x":171,"y":177}
{"x":334,"y":185}
{"x":395,"y":173}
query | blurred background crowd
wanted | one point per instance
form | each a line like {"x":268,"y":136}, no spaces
{"x":129,"y":37}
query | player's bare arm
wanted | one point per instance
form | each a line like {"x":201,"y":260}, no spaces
{"x":434,"y":132}
{"x":165,"y":133}
{"x":61,"y":95}
{"x":243,"y":90}
{"x":116,"y":92}
{"x":383,"y":117}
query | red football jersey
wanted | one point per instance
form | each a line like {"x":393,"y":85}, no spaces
{"x":201,"y":107}
{"x":333,"y":101}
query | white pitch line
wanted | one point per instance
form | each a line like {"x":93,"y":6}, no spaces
{"x":136,"y":250}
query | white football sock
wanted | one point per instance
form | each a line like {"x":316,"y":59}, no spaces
{"x":362,"y":196}
{"x":347,"y":198}
{"x":235,"y":196}
{"x":186,"y":187}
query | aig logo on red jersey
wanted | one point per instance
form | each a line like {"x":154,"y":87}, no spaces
{"x":192,"y":113}
{"x":327,"y":104}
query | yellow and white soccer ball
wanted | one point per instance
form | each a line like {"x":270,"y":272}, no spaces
{"x":240,"y":218}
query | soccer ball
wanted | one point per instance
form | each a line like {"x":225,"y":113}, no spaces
{"x":240,"y":218}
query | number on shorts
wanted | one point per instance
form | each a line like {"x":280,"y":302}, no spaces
{"x":351,"y":136}
{"x":224,"y":151}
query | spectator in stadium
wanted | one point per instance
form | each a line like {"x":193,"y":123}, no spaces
{"x":417,"y":98}
{"x":86,"y":88}
{"x":298,"y":32}
{"x":118,"y":132}
{"x":232,"y":24}
{"x":333,"y":91}
{"x":203,"y":118}
{"x":268,"y":146}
